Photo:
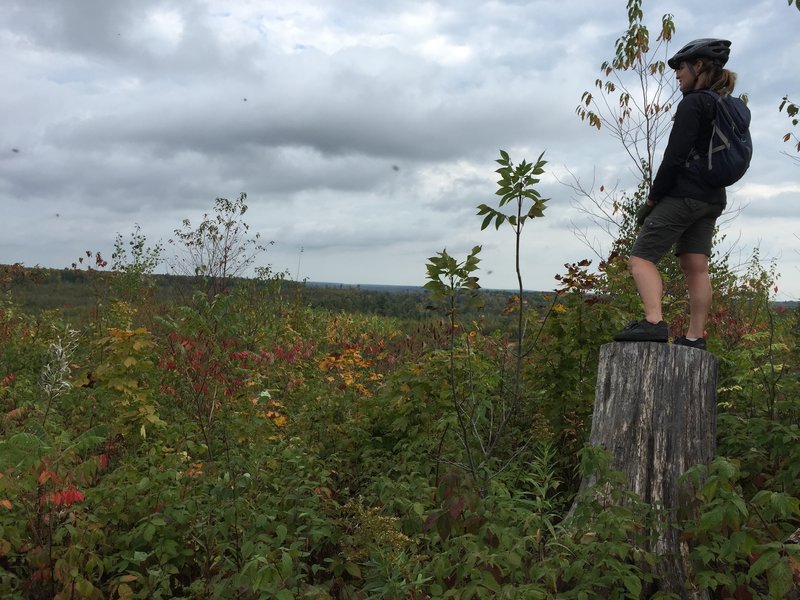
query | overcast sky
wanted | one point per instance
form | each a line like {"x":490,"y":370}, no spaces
{"x":363,"y":132}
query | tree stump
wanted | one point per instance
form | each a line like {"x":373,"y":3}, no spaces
{"x":655,"y":412}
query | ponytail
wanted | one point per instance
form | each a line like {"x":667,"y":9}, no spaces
{"x":719,"y":79}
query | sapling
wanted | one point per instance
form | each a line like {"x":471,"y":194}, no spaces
{"x":484,"y":421}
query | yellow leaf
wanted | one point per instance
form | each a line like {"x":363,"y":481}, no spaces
{"x":155,"y":420}
{"x":129,"y":362}
{"x":125,"y":592}
{"x":82,"y":381}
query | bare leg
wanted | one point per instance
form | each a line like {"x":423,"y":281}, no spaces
{"x":648,"y":283}
{"x":695,"y":268}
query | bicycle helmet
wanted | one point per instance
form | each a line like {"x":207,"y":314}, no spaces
{"x":712,"y":48}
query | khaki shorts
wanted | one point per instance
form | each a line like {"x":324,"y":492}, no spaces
{"x":685,"y":222}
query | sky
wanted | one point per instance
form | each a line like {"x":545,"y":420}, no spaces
{"x":364,"y":133}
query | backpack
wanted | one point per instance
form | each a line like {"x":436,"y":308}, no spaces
{"x":730,"y":147}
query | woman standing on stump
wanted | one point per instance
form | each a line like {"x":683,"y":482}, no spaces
{"x":682,"y":208}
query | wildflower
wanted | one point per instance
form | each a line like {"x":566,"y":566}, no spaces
{"x":54,"y":376}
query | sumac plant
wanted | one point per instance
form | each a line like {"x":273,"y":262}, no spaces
{"x":206,"y":364}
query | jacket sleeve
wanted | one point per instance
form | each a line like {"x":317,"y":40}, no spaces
{"x":683,"y":137}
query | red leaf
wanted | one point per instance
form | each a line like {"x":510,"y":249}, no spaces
{"x":457,"y":507}
{"x":444,"y":525}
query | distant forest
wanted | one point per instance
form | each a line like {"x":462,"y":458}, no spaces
{"x":76,"y":291}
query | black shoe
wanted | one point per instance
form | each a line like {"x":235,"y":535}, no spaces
{"x":700,"y":344}
{"x":643,"y":331}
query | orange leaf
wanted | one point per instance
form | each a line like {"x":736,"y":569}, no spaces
{"x":6,"y":503}
{"x":46,"y":475}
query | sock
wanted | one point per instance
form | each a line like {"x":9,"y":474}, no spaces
{"x":692,"y":339}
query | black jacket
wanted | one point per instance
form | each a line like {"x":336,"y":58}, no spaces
{"x":691,"y":129}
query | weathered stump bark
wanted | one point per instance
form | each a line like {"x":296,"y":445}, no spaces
{"x":655,"y":412}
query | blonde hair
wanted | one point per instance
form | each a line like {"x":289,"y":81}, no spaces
{"x":719,"y":79}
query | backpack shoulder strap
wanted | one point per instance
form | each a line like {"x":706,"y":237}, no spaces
{"x":712,"y":93}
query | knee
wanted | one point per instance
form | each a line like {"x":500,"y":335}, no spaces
{"x":694,"y":265}
{"x":637,"y":264}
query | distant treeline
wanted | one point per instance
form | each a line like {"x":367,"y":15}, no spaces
{"x":74,"y":291}
{"x":403,"y":302}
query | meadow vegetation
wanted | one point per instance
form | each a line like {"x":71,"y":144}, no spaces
{"x":239,"y":443}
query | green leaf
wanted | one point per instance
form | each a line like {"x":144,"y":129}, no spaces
{"x":731,"y":547}
{"x":712,"y":519}
{"x":704,"y":554}
{"x":709,"y":490}
{"x":503,"y":201}
{"x":633,"y":584}
{"x":286,"y":565}
{"x":740,"y":505}
{"x":781,"y":504}
{"x":148,"y":532}
{"x":535,"y":212}
{"x":490,"y":582}
{"x":779,"y":578}
{"x":281,"y":532}
{"x":766,"y":561}
{"x":84,"y":588}
{"x":353,"y":569}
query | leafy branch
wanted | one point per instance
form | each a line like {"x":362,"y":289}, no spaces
{"x":792,"y":111}
{"x":635,"y":91}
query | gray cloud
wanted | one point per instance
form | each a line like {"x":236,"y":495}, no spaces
{"x":363,"y":132}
